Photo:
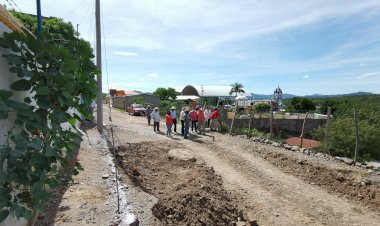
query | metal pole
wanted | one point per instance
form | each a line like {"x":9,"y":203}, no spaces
{"x":99,"y":65}
{"x":39,"y":17}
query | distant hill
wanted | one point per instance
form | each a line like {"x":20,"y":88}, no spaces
{"x":338,"y":95}
{"x":289,"y":96}
{"x":270,"y":96}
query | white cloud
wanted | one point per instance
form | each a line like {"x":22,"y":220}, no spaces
{"x":306,"y":76}
{"x":153,"y":75}
{"x":141,"y":79}
{"x":124,"y":53}
{"x":368,"y":75}
{"x":362,"y":65}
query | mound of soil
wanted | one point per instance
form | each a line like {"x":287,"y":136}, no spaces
{"x":188,"y":192}
{"x":348,"y":183}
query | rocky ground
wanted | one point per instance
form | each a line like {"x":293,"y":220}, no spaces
{"x":231,"y":180}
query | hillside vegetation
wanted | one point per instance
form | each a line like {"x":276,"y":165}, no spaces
{"x":342,"y":129}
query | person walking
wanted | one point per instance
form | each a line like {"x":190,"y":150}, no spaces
{"x":182,"y":118}
{"x":174,"y":116}
{"x":149,"y":111}
{"x":186,"y":119}
{"x":207,"y":113}
{"x":169,"y":123}
{"x":194,"y":120}
{"x":201,"y":121}
{"x":156,"y":119}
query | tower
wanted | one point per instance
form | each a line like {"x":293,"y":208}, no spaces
{"x":277,"y":98}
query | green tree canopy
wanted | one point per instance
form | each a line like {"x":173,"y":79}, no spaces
{"x":56,"y":27}
{"x":166,"y":94}
{"x":262,"y":107}
{"x":236,"y":88}
{"x":162,"y":93}
{"x":301,"y":105}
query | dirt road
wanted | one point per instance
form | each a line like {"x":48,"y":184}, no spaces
{"x":276,"y":186}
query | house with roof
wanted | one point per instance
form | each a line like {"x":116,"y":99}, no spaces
{"x":122,"y":99}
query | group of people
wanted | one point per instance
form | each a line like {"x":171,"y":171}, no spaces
{"x":198,"y":117}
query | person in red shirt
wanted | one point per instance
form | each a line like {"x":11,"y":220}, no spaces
{"x":194,"y":120}
{"x":214,"y":116}
{"x":169,"y":123}
{"x":201,"y":121}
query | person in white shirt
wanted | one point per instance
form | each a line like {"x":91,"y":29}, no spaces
{"x":155,"y":115}
{"x":174,"y":116}
{"x":207,"y":113}
{"x":182,"y":118}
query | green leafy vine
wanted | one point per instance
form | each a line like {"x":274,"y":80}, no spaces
{"x":59,"y":77}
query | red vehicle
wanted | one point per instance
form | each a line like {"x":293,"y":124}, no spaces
{"x":136,"y":109}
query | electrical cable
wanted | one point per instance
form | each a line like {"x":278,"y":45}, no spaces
{"x":88,"y":9}
{"x":74,"y":9}
{"x":15,"y":6}
{"x":110,"y":114}
{"x":10,"y":4}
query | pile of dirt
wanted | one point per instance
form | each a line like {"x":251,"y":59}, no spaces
{"x":188,"y":192}
{"x":348,"y":183}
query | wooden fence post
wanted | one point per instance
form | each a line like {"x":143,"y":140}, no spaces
{"x":233,"y":119}
{"x":357,"y":136}
{"x":325,"y":143}
{"x":271,"y":118}
{"x":303,"y":127}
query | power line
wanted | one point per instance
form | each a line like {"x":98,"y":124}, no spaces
{"x":15,"y":5}
{"x":74,"y":9}
{"x":88,"y":8}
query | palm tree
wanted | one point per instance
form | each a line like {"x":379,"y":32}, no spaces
{"x":236,"y":88}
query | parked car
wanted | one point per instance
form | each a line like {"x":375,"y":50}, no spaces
{"x":136,"y":109}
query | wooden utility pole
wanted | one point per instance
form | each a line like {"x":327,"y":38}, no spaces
{"x":357,"y":136}
{"x":325,"y":143}
{"x":303,"y":128}
{"x":233,"y":119}
{"x":99,"y":65}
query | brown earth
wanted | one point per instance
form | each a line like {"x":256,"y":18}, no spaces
{"x":188,"y":192}
{"x":344,"y":182}
{"x":232,"y":177}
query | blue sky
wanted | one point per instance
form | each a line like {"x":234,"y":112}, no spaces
{"x":306,"y":47}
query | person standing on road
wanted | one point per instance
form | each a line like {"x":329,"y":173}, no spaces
{"x":174,"y":115}
{"x":194,"y":120}
{"x":169,"y":123}
{"x":149,"y":111}
{"x":186,"y":120}
{"x":214,"y":116}
{"x":156,"y":119}
{"x":207,"y":116}
{"x":201,"y":121}
{"x":182,"y":118}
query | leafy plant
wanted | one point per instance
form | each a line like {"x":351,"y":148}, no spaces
{"x":139,"y":100}
{"x":38,"y":149}
{"x":166,"y":94}
{"x":301,"y":105}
